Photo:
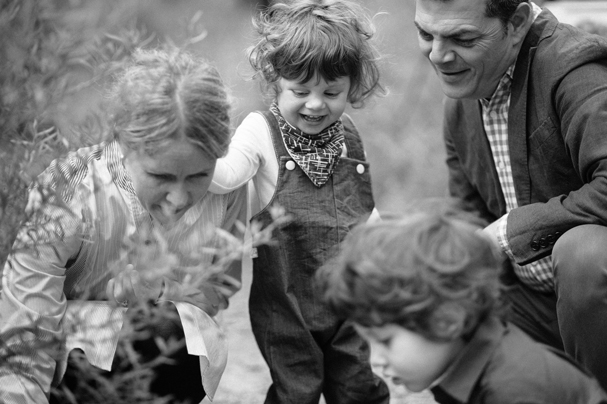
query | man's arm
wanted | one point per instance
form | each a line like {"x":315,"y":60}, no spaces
{"x":581,"y":103}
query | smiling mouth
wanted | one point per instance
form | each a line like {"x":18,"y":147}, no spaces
{"x":312,"y":118}
{"x":453,"y":73}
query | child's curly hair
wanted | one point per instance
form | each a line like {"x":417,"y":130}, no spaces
{"x":327,"y":37}
{"x":424,"y":272}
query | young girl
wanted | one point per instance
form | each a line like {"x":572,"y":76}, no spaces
{"x":306,"y":156}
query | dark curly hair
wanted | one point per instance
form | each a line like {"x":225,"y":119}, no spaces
{"x":424,"y":272}
{"x":301,"y":39}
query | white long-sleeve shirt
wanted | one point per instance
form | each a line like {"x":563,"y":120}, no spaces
{"x":251,"y":159}
{"x":47,"y":273}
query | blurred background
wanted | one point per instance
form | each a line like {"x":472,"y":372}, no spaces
{"x":401,"y":131}
{"x":57,"y":55}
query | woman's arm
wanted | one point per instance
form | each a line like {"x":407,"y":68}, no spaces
{"x":32,"y":302}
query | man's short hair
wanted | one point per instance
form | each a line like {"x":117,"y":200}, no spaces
{"x":502,"y":9}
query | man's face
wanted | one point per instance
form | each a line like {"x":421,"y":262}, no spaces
{"x":469,"y":51}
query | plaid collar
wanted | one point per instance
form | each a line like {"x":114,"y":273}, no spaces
{"x":502,"y":92}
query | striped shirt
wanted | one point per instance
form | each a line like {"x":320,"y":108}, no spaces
{"x":538,"y":274}
{"x":58,"y":270}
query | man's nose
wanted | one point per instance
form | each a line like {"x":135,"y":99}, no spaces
{"x":441,"y":53}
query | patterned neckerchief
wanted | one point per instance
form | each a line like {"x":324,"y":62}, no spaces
{"x":317,"y":155}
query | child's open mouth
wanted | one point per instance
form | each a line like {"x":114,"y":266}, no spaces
{"x":312,"y":118}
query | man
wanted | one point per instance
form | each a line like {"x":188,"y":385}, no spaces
{"x":525,"y":128}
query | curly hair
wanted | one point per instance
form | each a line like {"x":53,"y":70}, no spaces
{"x":424,"y":272}
{"x":162,"y":95}
{"x":303,"y":39}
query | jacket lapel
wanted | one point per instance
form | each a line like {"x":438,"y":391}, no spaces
{"x":517,"y":127}
{"x":517,"y":112}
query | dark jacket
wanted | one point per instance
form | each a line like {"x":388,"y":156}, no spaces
{"x":557,"y":136}
{"x":502,"y":365}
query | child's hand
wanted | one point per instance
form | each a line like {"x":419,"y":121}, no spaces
{"x":128,"y":286}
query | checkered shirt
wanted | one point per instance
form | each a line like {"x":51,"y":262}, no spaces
{"x":538,"y":274}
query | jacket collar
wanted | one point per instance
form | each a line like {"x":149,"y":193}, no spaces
{"x":463,"y":376}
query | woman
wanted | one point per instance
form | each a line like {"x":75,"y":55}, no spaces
{"x":123,"y":222}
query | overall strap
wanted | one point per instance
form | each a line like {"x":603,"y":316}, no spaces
{"x":353,"y":141}
{"x":279,"y":144}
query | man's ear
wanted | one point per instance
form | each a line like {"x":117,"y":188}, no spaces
{"x":520,"y":22}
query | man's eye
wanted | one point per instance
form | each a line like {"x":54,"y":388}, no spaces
{"x":466,"y":42}
{"x":424,"y":35}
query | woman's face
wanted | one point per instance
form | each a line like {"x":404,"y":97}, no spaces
{"x":170,"y":181}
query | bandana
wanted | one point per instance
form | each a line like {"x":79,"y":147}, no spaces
{"x":317,"y":155}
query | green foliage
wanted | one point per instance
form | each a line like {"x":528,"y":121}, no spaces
{"x":50,"y":51}
{"x":55,"y":55}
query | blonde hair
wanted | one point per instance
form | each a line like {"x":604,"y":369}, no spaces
{"x":301,"y":39}
{"x":162,"y":96}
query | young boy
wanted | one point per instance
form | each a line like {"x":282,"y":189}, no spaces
{"x":422,"y":290}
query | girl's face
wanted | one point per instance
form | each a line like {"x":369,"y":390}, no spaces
{"x":407,"y":357}
{"x":170,"y":181}
{"x":314,"y":105}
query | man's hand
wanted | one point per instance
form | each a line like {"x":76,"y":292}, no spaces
{"x":491,"y":232}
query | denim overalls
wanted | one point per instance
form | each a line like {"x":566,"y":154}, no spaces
{"x":308,"y":349}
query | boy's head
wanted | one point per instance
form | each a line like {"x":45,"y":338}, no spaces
{"x":417,"y":287}
{"x":309,"y":40}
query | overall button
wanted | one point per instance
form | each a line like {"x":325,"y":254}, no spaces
{"x":535,"y":245}
{"x":360,"y":169}
{"x":290,"y":165}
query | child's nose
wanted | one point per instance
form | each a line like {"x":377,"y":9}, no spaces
{"x":315,"y":102}
{"x":378,"y":360}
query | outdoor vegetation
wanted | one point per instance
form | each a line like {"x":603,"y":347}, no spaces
{"x":56,"y":59}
